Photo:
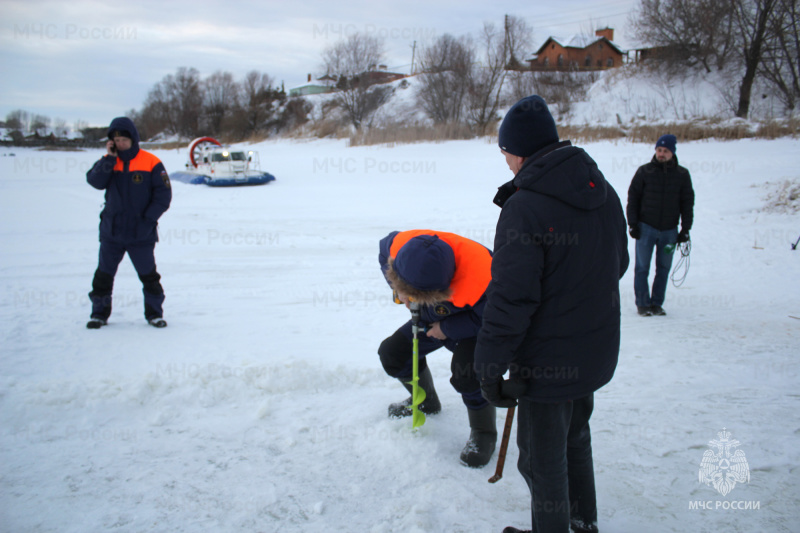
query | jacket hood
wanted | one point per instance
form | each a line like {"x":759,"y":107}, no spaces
{"x":566,"y":173}
{"x":126,"y":124}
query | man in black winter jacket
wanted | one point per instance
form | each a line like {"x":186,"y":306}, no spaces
{"x":552,"y":315}
{"x":660,"y":195}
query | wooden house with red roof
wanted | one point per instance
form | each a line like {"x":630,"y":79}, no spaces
{"x":580,"y":52}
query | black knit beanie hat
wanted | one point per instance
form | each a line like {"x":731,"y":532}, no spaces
{"x":527,"y":127}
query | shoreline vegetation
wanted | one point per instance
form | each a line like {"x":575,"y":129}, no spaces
{"x":692,"y":130}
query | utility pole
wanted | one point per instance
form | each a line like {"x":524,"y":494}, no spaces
{"x":413,"y":52}
{"x":508,"y":48}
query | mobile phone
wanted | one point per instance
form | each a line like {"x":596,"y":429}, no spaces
{"x":112,"y":148}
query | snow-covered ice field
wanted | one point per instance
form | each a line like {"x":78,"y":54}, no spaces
{"x":262,"y":407}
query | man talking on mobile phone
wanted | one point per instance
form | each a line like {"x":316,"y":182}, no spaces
{"x":138,"y":192}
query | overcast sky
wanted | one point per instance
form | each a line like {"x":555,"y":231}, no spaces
{"x":93,"y":61}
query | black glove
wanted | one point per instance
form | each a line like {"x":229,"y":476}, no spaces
{"x":635,"y":232}
{"x":499,"y":393}
{"x":683,"y":236}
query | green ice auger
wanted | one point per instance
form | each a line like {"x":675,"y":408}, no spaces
{"x":417,"y":393}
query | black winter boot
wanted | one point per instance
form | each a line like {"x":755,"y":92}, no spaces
{"x":430,"y":406}
{"x":579,"y":526}
{"x":482,"y":437}
{"x":96,"y":322}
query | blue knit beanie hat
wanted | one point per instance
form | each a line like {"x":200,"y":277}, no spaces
{"x":668,"y":141}
{"x":527,"y":127}
{"x":426,"y":262}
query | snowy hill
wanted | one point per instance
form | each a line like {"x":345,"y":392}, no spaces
{"x":623,"y":97}
{"x":262,"y":407}
{"x":637,"y":95}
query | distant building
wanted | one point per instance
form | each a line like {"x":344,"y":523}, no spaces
{"x":325,"y":84}
{"x":329,"y":83}
{"x":658,"y":53}
{"x":580,"y":52}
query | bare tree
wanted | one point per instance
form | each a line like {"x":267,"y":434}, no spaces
{"x":257,"y":96}
{"x":18,"y":120}
{"x":157,"y":114}
{"x":463,"y":79}
{"x":522,"y":83}
{"x":186,"y":95}
{"x":689,"y":32}
{"x":447,"y":66}
{"x":79,"y":124}
{"x":352,"y":61}
{"x":487,"y":78}
{"x":707,"y":32}
{"x":499,"y":51}
{"x":40,"y":124}
{"x":60,"y":127}
{"x":217,"y":105}
{"x":518,"y":39}
{"x":559,"y":89}
{"x":751,"y":22}
{"x":220,"y":97}
{"x":175,"y":103}
{"x":781,"y":61}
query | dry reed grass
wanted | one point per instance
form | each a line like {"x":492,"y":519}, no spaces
{"x":408,"y":134}
{"x":400,"y":133}
{"x":61,"y":149}
{"x":685,"y":131}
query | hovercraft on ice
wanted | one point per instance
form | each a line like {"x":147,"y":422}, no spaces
{"x":217,"y":166}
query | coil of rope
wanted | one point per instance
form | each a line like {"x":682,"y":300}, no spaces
{"x":681,"y":269}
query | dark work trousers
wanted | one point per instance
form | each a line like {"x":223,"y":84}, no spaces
{"x":396,"y":357}
{"x":143,"y":259}
{"x":555,"y":458}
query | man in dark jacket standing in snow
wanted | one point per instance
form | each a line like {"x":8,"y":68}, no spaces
{"x":552,"y":316}
{"x":447,"y":275}
{"x":660,"y":194}
{"x":138,"y":192}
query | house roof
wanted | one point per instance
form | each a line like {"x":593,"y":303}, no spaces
{"x":579,"y":41}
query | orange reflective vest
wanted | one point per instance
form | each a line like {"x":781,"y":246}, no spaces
{"x":473,"y":264}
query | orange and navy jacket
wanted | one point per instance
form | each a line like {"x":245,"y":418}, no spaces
{"x":460,"y":317}
{"x":137,"y":189}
